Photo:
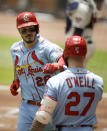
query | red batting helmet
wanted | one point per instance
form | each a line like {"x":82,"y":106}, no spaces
{"x":75,"y":46}
{"x":26,"y":19}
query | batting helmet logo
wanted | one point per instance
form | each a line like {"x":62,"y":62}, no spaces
{"x":26,"y":18}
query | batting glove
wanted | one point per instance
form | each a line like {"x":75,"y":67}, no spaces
{"x":13,"y":88}
{"x":52,"y":68}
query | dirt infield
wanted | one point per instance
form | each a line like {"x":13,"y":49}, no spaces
{"x":8,"y":111}
{"x":54,"y":31}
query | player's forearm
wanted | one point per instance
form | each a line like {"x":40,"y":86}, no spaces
{"x":15,"y":74}
{"x":37,"y":126}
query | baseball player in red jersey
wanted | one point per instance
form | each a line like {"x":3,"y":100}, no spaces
{"x":71,"y":97}
{"x":29,"y":58}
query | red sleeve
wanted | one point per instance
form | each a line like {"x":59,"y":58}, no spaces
{"x":61,"y":61}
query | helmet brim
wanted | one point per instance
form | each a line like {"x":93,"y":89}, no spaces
{"x":27,"y":24}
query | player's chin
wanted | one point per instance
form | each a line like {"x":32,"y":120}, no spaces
{"x":29,"y":40}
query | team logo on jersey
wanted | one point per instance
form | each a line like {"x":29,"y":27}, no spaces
{"x":32,"y":71}
{"x":26,"y":18}
{"x":35,"y":58}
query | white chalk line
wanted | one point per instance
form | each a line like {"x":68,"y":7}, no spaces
{"x":4,"y":88}
{"x":10,"y":112}
{"x":8,"y":125}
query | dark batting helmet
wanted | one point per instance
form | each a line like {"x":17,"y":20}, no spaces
{"x":75,"y":46}
{"x":26,"y":19}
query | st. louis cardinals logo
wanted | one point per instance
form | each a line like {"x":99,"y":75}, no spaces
{"x":26,"y":18}
{"x":35,"y":58}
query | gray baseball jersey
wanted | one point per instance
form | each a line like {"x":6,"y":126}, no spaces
{"x":29,"y":64}
{"x":77,"y":92}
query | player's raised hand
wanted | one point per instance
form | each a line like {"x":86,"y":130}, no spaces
{"x":52,"y":68}
{"x":14,"y":86}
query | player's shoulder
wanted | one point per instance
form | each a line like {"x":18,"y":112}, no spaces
{"x":47,"y":44}
{"x":60,"y":76}
{"x":58,"y":81}
{"x":43,"y":40}
{"x":15,"y":46}
{"x":95,"y":75}
{"x":97,"y":78}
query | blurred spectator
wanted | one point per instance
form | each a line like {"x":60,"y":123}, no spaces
{"x":81,"y":15}
{"x":24,"y":4}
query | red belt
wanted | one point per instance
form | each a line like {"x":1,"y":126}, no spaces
{"x":33,"y":102}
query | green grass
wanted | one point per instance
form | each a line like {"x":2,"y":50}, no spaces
{"x":97,"y":64}
{"x":6,"y":66}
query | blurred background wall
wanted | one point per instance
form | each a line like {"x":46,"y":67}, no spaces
{"x":57,"y":7}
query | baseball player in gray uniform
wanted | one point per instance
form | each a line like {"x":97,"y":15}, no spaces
{"x":71,"y":97}
{"x":29,"y":58}
{"x":81,"y":15}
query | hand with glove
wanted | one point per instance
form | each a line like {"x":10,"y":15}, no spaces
{"x":14,"y":87}
{"x":52,"y":68}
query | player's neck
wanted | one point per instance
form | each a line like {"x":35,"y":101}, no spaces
{"x":28,"y":46}
{"x":76,"y":65}
{"x":72,"y":63}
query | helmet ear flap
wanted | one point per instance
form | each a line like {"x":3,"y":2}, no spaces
{"x":37,"y":29}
